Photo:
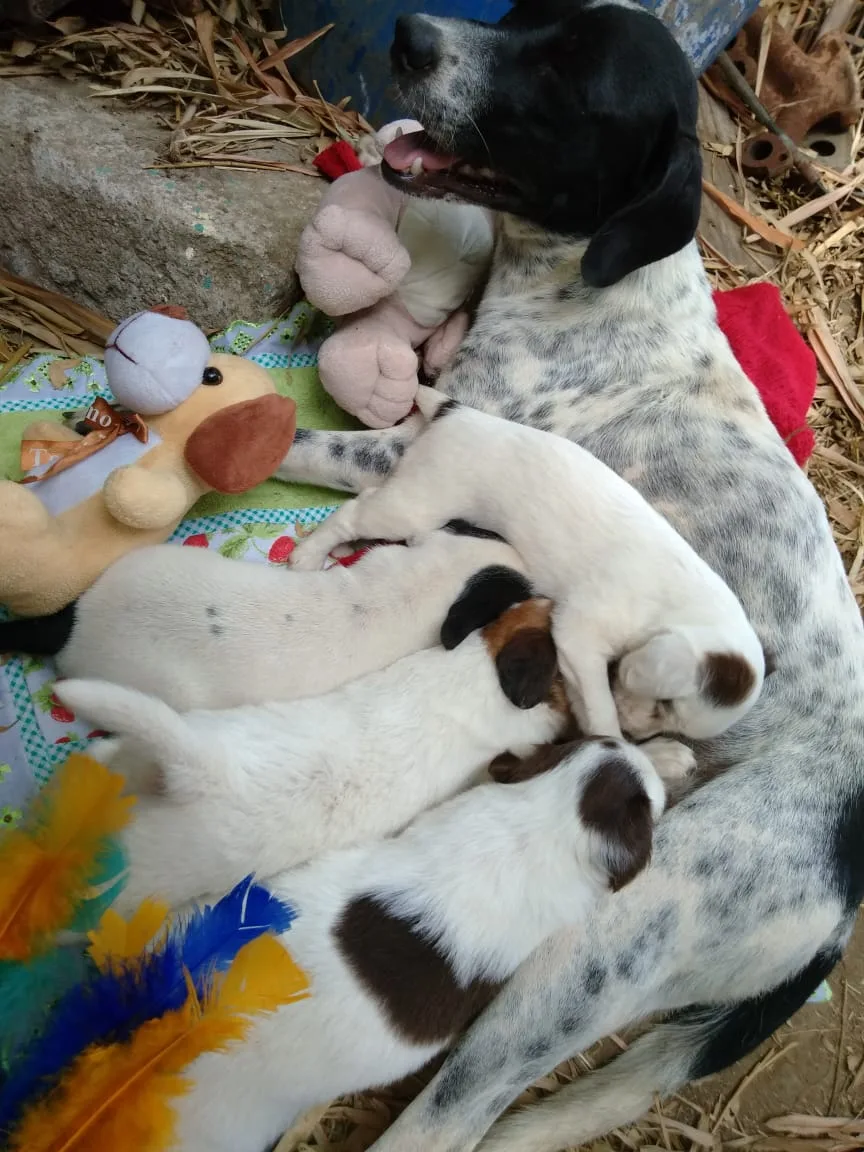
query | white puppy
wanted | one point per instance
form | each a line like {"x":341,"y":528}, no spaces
{"x":200,"y":631}
{"x":264,"y":788}
{"x":626,"y":586}
{"x":406,"y":940}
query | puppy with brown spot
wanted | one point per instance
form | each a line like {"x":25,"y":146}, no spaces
{"x":627,"y":587}
{"x":407,"y":940}
{"x":266,"y":787}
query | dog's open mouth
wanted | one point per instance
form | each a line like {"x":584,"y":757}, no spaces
{"x":413,"y":163}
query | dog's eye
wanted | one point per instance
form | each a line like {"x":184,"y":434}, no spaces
{"x":211,"y":376}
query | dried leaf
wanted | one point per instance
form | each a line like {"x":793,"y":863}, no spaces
{"x":291,"y":49}
{"x":834,"y":365}
{"x":57,"y":370}
{"x":820,"y":203}
{"x":761,"y":227}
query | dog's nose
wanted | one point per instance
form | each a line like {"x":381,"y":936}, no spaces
{"x":416,"y":45}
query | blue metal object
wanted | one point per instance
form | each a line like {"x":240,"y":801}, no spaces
{"x":353,"y":58}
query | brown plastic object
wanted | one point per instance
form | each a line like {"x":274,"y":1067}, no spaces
{"x":765,"y":156}
{"x":800,"y":90}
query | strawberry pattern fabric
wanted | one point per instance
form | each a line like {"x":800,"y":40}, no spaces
{"x":36,"y":731}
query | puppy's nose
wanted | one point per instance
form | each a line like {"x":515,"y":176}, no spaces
{"x":416,"y":45}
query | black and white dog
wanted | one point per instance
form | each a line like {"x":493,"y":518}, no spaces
{"x":578,"y":121}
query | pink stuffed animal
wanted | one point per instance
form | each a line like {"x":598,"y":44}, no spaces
{"x":398,"y":271}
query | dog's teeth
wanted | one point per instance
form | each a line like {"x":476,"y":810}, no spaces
{"x":486,"y":174}
{"x":467,"y":170}
{"x":416,"y":166}
{"x":400,"y":132}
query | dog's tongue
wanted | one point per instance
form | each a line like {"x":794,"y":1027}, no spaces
{"x":401,"y":153}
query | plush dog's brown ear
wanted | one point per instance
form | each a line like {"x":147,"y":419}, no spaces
{"x":244,"y":444}
{"x":615,"y":806}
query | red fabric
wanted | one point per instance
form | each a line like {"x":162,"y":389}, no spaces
{"x":775,"y":356}
{"x":336,"y":160}
{"x":347,"y":561}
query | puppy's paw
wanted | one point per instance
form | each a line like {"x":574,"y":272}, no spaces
{"x":672,"y":760}
{"x":640,"y":716}
{"x":310,"y":555}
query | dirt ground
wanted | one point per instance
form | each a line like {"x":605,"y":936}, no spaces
{"x":814,"y":1065}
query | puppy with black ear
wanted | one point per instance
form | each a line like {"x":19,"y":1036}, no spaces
{"x":264,"y":788}
{"x":408,"y":939}
{"x":202,"y":631}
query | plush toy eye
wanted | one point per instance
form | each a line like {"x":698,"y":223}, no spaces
{"x":211,"y":376}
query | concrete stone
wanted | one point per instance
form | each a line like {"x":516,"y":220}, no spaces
{"x":81,"y":213}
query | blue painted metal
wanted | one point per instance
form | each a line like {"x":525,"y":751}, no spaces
{"x":353,"y":58}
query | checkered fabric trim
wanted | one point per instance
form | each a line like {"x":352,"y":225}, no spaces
{"x":42,"y":756}
{"x":230,"y":521}
{"x":290,"y":342}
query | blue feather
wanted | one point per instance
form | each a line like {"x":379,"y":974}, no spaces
{"x":108,"y":1006}
{"x":111,"y":1005}
{"x":214,"y":936}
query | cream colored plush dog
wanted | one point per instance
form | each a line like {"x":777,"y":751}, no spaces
{"x":201,"y":423}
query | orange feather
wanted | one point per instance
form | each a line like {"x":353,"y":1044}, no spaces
{"x":119,"y":1096}
{"x":45,"y":863}
{"x":117,"y":939}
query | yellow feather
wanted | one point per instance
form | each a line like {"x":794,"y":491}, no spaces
{"x":46,"y":862}
{"x":117,"y":939}
{"x":118,"y":1097}
{"x":263,"y":976}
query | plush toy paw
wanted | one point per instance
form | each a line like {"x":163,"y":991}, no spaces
{"x":372,"y":375}
{"x":145,"y":499}
{"x":348,"y":260}
{"x":21,"y":513}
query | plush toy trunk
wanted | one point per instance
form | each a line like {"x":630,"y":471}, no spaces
{"x":353,"y":58}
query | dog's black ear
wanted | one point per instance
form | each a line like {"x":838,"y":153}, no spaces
{"x":659,"y":222}
{"x":615,"y":806}
{"x":485,"y":596}
{"x":527,"y":665}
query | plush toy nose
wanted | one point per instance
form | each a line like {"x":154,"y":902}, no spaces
{"x":243,"y":444}
{"x":155,"y":361}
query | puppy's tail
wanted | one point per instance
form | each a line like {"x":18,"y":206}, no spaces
{"x":432,"y":403}
{"x":38,"y":635}
{"x":153,"y":727}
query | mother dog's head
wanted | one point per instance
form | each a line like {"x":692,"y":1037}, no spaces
{"x":577,"y":115}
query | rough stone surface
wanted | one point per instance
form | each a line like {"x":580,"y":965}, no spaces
{"x":81,"y":213}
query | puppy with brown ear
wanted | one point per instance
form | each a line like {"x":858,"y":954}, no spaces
{"x":406,"y":940}
{"x":264,"y":788}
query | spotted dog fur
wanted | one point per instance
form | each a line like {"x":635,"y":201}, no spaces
{"x":588,"y":113}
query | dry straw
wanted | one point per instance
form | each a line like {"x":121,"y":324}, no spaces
{"x":222,"y":85}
